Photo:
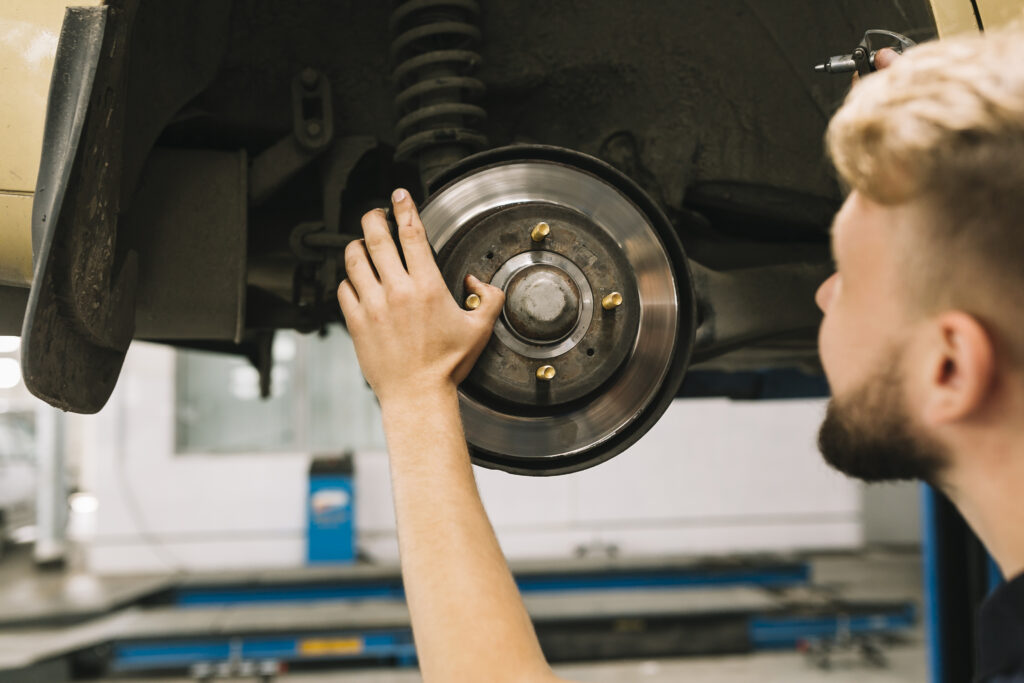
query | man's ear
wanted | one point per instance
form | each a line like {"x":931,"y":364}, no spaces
{"x":961,"y":372}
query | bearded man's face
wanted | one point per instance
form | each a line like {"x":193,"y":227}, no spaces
{"x":868,"y":434}
{"x":869,"y":431}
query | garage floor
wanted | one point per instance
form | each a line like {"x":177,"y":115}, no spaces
{"x":906,"y":663}
{"x":879,"y":575}
{"x":870,"y":576}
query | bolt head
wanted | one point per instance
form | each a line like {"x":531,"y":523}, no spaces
{"x":613,"y":300}
{"x":546,"y":373}
{"x":540,"y":231}
{"x":473,"y":302}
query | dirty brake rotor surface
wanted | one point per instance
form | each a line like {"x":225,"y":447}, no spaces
{"x":598,"y":319}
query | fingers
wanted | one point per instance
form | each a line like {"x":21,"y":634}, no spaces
{"x":491,"y":299}
{"x":885,"y":57}
{"x":360,"y":273}
{"x":418,"y":255}
{"x":381,"y":247}
{"x":348,"y":299}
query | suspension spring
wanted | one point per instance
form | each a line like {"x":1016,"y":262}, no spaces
{"x":432,"y":48}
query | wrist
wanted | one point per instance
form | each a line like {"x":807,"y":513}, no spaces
{"x":415,"y":398}
{"x":423,"y":417}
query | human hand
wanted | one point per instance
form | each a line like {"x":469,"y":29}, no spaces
{"x":410,"y":335}
{"x":884,"y":58}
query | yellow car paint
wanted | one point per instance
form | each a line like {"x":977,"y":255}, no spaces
{"x":957,"y":16}
{"x":996,"y":13}
{"x":29,"y":31}
{"x":16,"y":238}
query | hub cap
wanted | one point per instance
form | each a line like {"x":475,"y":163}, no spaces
{"x":542,"y":304}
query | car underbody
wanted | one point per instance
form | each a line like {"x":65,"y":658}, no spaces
{"x":207,"y":161}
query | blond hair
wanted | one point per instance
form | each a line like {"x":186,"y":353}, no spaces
{"x":943,"y":127}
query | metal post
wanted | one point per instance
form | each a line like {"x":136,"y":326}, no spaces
{"x":51,"y":492}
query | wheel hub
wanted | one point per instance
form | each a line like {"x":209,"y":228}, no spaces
{"x":553,"y":290}
{"x":586,"y":353}
{"x":542,"y":303}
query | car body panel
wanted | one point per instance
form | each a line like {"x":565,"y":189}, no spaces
{"x":16,"y":238}
{"x":954,"y":16}
{"x":959,"y":16}
{"x":29,"y":30}
{"x":995,"y":13}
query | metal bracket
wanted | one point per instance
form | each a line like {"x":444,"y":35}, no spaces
{"x":312,"y":132}
{"x":746,"y":305}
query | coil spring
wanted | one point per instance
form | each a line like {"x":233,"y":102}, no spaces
{"x":432,"y":49}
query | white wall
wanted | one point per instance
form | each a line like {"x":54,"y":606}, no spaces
{"x":713,"y":476}
{"x":892,"y":514}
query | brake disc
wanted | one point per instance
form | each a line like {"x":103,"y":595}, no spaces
{"x":599,"y":317}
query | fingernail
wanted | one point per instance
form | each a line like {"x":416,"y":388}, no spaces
{"x":398,"y":195}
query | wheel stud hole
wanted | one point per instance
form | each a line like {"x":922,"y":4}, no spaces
{"x":590,"y":352}
{"x":490,"y":254}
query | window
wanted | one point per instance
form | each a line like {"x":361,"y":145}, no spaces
{"x":319,"y":400}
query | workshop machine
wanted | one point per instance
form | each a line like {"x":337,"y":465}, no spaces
{"x":646,"y":182}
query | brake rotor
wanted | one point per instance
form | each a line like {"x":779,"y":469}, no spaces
{"x":598,"y":322}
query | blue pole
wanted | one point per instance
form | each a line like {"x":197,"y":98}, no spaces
{"x":932,"y":596}
{"x":995,"y":577}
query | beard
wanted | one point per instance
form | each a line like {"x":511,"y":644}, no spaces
{"x":869,"y":434}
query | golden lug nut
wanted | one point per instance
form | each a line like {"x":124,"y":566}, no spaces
{"x":613,"y":300}
{"x":546,"y":373}
{"x":472,"y":302}
{"x":540,"y":231}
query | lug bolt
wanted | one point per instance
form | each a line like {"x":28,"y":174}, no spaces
{"x":540,"y":231}
{"x":472,"y":302}
{"x":313,"y":128}
{"x":546,"y":373}
{"x":613,"y":300}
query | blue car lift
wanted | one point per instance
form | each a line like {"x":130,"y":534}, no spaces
{"x":736,"y":629}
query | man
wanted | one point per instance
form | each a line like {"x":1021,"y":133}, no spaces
{"x":922,"y":342}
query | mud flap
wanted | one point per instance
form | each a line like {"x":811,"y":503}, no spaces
{"x":80,"y":315}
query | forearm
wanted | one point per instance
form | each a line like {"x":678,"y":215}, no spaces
{"x":467,"y":615}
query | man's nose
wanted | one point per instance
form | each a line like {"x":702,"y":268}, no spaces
{"x":824,"y":294}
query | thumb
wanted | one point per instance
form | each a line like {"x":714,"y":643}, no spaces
{"x":491,"y":298}
{"x":885,"y":57}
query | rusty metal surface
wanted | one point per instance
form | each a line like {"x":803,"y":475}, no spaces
{"x":671,"y":94}
{"x":598,"y":341}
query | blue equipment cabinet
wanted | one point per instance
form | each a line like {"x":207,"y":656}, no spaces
{"x":330,"y":511}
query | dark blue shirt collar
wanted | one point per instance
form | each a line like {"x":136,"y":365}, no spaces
{"x":1001,"y":633}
